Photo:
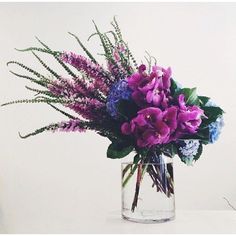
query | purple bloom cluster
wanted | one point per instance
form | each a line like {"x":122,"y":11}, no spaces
{"x":151,"y":89}
{"x":160,"y":121}
{"x":94,"y":71}
{"x":79,"y":98}
{"x":70,"y":126}
{"x":119,"y":91}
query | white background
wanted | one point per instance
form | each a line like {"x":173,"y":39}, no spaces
{"x":58,"y":177}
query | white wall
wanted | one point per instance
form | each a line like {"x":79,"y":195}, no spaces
{"x":53,"y":174}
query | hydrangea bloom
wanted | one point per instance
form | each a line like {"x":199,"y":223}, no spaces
{"x":188,"y":150}
{"x":215,"y":129}
{"x":210,"y":103}
{"x":119,"y":91}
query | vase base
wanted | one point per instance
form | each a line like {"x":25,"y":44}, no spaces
{"x":148,"y":221}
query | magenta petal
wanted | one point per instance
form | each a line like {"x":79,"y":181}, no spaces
{"x":170,"y":117}
{"x":125,"y":128}
{"x":147,"y":86}
{"x":139,"y":98}
{"x":181,"y":100}
{"x":149,"y":96}
{"x":141,"y":68}
{"x":140,"y":120}
{"x":157,"y":99}
{"x":166,"y":78}
{"x":134,"y":80}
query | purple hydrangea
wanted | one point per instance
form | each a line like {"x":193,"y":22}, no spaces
{"x":119,"y":91}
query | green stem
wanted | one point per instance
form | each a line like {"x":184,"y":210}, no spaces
{"x":129,"y":175}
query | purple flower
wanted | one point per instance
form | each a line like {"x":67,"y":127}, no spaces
{"x":164,"y":75}
{"x":155,"y":95}
{"x":148,"y":128}
{"x":119,"y":91}
{"x":189,"y":117}
{"x":141,"y":81}
{"x":170,"y":117}
{"x":95,"y":71}
{"x":71,"y":126}
{"x":153,"y":88}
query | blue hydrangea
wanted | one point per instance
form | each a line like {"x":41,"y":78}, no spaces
{"x":210,"y":103}
{"x":119,"y":91}
{"x":215,"y":129}
{"x":188,"y":150}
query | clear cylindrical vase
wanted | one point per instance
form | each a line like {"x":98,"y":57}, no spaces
{"x":148,"y":191}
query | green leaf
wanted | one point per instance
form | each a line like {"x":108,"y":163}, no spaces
{"x":169,"y":149}
{"x":212,"y":114}
{"x":136,"y":158}
{"x":191,"y":97}
{"x":174,"y":87}
{"x":203,"y":100}
{"x":202,"y":135}
{"x":119,"y":149}
{"x":84,"y":48}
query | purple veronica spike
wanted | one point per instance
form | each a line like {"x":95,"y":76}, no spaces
{"x":95,"y":71}
{"x":71,"y":126}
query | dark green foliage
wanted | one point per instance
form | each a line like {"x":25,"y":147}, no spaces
{"x":127,"y":109}
{"x":119,"y":149}
{"x":191,"y":97}
{"x":41,"y":130}
{"x":203,"y":100}
{"x":212,"y":113}
{"x":28,"y":69}
{"x":41,"y":82}
{"x":42,"y":100}
{"x":169,"y":149}
{"x":84,"y":48}
{"x":174,"y":89}
{"x":137,"y":158}
{"x":62,"y":112}
{"x":45,"y":66}
{"x":44,"y":92}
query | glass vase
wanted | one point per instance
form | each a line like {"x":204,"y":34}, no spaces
{"x":148,"y":191}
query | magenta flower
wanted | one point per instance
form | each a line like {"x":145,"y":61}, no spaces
{"x":141,"y":81}
{"x":100,"y":78}
{"x":151,"y":89}
{"x":148,"y":128}
{"x":189,"y":117}
{"x":170,"y":118}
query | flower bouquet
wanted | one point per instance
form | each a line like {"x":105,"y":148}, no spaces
{"x":139,"y":108}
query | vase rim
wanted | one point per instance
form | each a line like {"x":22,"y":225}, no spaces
{"x":169,"y":161}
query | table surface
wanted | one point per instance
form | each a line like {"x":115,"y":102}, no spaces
{"x":110,"y":222}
